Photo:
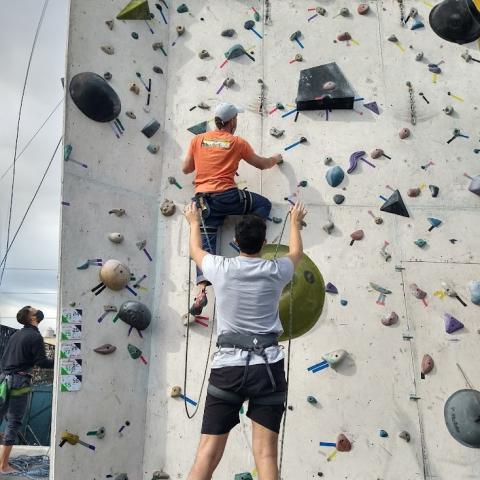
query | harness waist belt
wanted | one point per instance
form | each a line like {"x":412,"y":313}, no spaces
{"x":275,"y":398}
{"x":247,"y":342}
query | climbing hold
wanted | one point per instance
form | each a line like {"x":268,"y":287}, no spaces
{"x":157,"y":69}
{"x":363,"y":8}
{"x":229,"y":82}
{"x":135,"y":352}
{"x":243,"y":476}
{"x":434,"y":190}
{"x":373,"y":107}
{"x":356,"y":235}
{"x":329,"y":86}
{"x":328,"y":227}
{"x":451,"y":323}
{"x":105,"y":349}
{"x":115,"y":275}
{"x":474,"y":186}
{"x":160,"y":475}
{"x":134,"y":88}
{"x":427,"y":364}
{"x":150,"y":128}
{"x":152,"y":148}
{"x":198,"y":128}
{"x":121,"y":476}
{"x":320,"y":11}
{"x":392,"y":38}
{"x":109,"y":24}
{"x":302,"y":184}
{"x":157,"y":46}
{"x":462,"y":411}
{"x":108,"y":49}
{"x":312,"y":400}
{"x":182,"y":8}
{"x":335,"y":176}
{"x":343,"y":444}
{"x":203,"y":54}
{"x":235,"y":51}
{"x":229,"y":32}
{"x":419,"y":56}
{"x":249,"y":24}
{"x":331,"y":288}
{"x":338,"y":199}
{"x":298,"y":57}
{"x":328,"y":160}
{"x":95,"y":97}
{"x":203,"y":106}
{"x":404,"y":435}
{"x":135,"y":314}
{"x":344,"y":12}
{"x":420,"y":243}
{"x":343,"y":302}
{"x":389,"y":320}
{"x":343,"y":37}
{"x":334,"y":358}
{"x":383,"y":434}
{"x":130,"y":114}
{"x":135,"y":35}
{"x":404,"y":133}
{"x":413,"y":192}
{"x":201,"y":78}
{"x":167,"y":208}
{"x":434,"y":222}
{"x":276,"y":133}
{"x":119,"y":212}
{"x":135,"y":10}
{"x":176,"y":392}
{"x":434,"y":69}
{"x":377,"y":153}
{"x":295,"y":35}
{"x":474,"y":287}
{"x":448,"y":110}
{"x":417,"y":292}
{"x":180,"y":30}
{"x":277,"y":220}
{"x":395,"y":205}
{"x":115,"y":237}
{"x":107,"y":76}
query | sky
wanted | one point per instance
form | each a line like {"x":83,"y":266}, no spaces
{"x":32,"y":267}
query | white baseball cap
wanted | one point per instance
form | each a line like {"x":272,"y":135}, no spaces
{"x":227,"y":111}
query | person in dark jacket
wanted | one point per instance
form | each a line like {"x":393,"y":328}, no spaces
{"x":25,"y":349}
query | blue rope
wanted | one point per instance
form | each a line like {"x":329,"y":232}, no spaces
{"x":33,"y":468}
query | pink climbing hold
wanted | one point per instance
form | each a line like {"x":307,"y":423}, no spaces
{"x":404,"y":133}
{"x":417,"y":292}
{"x":343,"y":444}
{"x":451,"y":323}
{"x":413,"y":192}
{"x":390,"y":320}
{"x":427,"y":364}
{"x":363,"y":8}
{"x":356,"y":235}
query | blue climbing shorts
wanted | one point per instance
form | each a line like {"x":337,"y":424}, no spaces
{"x":220,"y":416}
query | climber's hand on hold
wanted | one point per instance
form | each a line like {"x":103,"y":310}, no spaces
{"x":297,"y":214}
{"x":192,"y":214}
{"x":277,"y":159}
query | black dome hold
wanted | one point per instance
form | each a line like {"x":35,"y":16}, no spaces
{"x":95,"y":97}
{"x":136,"y":314}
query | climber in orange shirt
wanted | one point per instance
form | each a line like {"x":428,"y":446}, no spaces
{"x":214,"y":157}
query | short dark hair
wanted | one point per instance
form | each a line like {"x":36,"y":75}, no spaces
{"x":250,"y":234}
{"x":219,"y":123}
{"x":23,"y":315}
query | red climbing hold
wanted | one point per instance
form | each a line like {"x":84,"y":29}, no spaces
{"x":343,"y":443}
{"x":427,"y":364}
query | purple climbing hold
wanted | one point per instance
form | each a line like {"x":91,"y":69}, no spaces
{"x":331,"y":288}
{"x":451,"y":323}
{"x":373,"y":107}
{"x":475,"y":185}
{"x":354,"y":158}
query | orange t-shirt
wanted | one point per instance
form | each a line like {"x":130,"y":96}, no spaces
{"x":216,"y":155}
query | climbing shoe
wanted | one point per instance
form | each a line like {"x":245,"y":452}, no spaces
{"x":199,"y":302}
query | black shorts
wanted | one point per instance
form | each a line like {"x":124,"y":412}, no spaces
{"x":221,"y":416}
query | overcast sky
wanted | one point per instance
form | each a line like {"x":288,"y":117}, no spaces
{"x":31,"y":274}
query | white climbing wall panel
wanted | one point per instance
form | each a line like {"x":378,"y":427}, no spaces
{"x":372,"y":389}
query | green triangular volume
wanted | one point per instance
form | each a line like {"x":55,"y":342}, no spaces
{"x":198,"y":128}
{"x":135,"y":10}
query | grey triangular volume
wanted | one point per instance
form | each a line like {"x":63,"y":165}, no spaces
{"x":395,"y":205}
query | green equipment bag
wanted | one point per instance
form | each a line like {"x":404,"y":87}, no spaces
{"x":3,"y":391}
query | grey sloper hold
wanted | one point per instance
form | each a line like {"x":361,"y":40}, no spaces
{"x":159,"y":475}
{"x":115,"y":237}
{"x":121,"y":476}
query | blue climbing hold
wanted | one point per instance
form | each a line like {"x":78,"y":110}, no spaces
{"x":474,"y":287}
{"x":343,"y":302}
{"x":383,"y":434}
{"x":335,"y":176}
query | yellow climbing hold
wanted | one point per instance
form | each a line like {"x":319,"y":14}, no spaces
{"x":135,"y":10}
{"x":439,"y":294}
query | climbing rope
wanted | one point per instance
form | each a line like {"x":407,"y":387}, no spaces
{"x":191,"y":415}
{"x":31,"y":467}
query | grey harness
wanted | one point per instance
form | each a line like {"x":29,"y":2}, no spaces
{"x":253,"y":344}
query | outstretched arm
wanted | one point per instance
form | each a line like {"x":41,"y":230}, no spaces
{"x":192,"y":214}
{"x":263,"y":163}
{"x":297,"y":214}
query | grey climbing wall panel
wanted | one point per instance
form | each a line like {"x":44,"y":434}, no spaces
{"x":372,"y":389}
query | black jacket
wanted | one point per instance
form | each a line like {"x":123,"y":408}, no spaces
{"x":25,"y":349}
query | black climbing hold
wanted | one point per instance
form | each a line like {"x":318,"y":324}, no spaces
{"x":198,"y":128}
{"x":434,"y":189}
{"x":182,"y":8}
{"x":249,"y":24}
{"x":229,"y":32}
{"x":150,"y":128}
{"x":136,"y":314}
{"x":462,"y":414}
{"x":312,"y":95}
{"x":395,"y":205}
{"x":95,"y":97}
{"x":107,"y":76}
{"x":157,"y":69}
{"x":135,"y":35}
{"x":338,"y":199}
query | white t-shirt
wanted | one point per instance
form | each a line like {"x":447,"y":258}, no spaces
{"x":247,"y":292}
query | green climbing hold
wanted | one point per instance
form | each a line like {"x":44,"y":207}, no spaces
{"x":308,"y":294}
{"x":135,"y":10}
{"x":198,"y":128}
{"x":233,"y":52}
{"x":182,"y":8}
{"x":256,"y":16}
{"x":134,"y":351}
{"x":243,"y":476}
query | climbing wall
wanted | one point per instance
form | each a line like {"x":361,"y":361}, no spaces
{"x":379,"y":386}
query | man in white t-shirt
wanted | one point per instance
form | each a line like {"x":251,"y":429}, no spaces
{"x":249,"y":363}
